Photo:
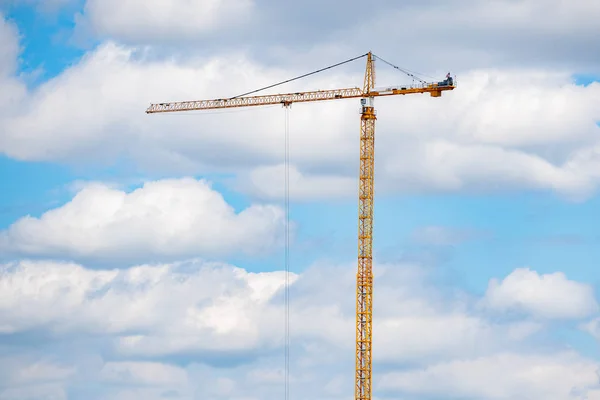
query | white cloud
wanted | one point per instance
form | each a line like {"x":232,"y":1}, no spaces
{"x":194,"y":306}
{"x":592,"y":327}
{"x":156,"y":20}
{"x":593,"y":394}
{"x":201,"y":311}
{"x":269,"y":182}
{"x":541,"y":16}
{"x":502,"y":376}
{"x":418,"y":339}
{"x":468,"y":34}
{"x":12,"y":89}
{"x":50,"y":391}
{"x":9,"y":48}
{"x":539,"y":113}
{"x":23,"y":370}
{"x":143,"y":373}
{"x":200,"y":307}
{"x":499,"y":130}
{"x":162,"y":219}
{"x":474,"y":34}
{"x":545,"y":296}
{"x":441,"y":165}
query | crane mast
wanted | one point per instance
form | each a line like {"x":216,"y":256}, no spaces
{"x":364,"y":276}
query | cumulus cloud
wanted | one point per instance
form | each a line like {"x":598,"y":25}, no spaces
{"x":163,"y":327}
{"x":499,"y":32}
{"x":215,"y":307}
{"x":267,"y":183}
{"x":25,"y":376}
{"x":48,"y":391}
{"x":171,"y":218}
{"x":592,"y":327}
{"x":468,"y":34}
{"x":144,"y":373}
{"x":546,"y":296}
{"x":23,"y":370}
{"x":191,"y":308}
{"x":156,"y":21}
{"x":501,"y":376}
{"x":462,"y":141}
{"x":9,"y":47}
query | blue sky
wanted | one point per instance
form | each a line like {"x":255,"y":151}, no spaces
{"x":485,"y":220}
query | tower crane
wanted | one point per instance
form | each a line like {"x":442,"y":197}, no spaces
{"x":364,"y":277}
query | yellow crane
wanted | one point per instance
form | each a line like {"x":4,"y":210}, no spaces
{"x":364,"y":277}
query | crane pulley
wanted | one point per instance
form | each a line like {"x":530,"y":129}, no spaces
{"x":364,"y":278}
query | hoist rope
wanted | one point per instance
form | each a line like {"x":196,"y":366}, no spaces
{"x":299,"y":77}
{"x":287,"y":253}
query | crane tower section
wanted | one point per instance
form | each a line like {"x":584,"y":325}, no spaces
{"x":364,"y":276}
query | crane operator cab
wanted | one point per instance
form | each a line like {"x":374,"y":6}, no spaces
{"x":448,"y":81}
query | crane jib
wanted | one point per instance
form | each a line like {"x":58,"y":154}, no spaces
{"x":288,"y":98}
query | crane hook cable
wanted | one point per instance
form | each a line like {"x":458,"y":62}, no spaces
{"x":300,"y":77}
{"x":287,"y":254}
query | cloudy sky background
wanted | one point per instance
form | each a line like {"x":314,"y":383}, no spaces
{"x":141,"y":255}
